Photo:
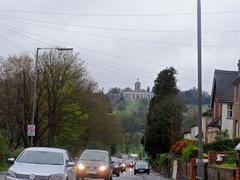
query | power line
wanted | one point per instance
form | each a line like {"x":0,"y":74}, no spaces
{"x":117,"y":29}
{"x":95,"y":14}
{"x":12,"y":42}
{"x":119,"y":67}
{"x":18,"y":34}
{"x":122,"y":38}
{"x":116,"y":15}
{"x":97,"y":27}
{"x":115,"y":65}
{"x":98,"y":62}
{"x":105,"y":36}
{"x":120,"y":70}
{"x":90,"y":50}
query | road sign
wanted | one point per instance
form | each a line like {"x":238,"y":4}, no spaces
{"x":31,"y":130}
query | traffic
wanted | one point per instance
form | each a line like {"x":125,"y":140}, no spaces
{"x":45,"y":163}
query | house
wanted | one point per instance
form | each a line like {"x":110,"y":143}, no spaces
{"x":187,"y":135}
{"x":224,"y":112}
{"x":115,"y":95}
{"x":192,"y":134}
{"x":236,"y":104}
{"x":222,"y":98}
{"x":206,"y":126}
{"x":137,"y":93}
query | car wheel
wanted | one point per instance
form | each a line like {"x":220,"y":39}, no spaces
{"x":135,"y":172}
{"x":108,"y":178}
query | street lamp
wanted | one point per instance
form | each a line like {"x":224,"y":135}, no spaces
{"x":35,"y":85}
{"x":200,"y":170}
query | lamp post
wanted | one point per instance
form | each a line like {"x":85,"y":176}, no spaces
{"x":35,"y":85}
{"x":200,"y":170}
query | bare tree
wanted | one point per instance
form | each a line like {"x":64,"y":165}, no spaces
{"x":15,"y":97}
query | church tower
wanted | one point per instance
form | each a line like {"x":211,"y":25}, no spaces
{"x":137,"y":86}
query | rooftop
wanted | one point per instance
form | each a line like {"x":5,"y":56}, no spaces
{"x":223,"y":86}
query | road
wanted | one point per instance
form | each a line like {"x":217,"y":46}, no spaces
{"x":130,"y":176}
{"x":2,"y":176}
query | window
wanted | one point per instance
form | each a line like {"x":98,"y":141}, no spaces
{"x":41,"y":157}
{"x":229,"y":111}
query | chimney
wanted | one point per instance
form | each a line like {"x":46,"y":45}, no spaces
{"x":239,"y":67}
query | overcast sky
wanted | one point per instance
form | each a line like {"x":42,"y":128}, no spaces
{"x":122,"y":40}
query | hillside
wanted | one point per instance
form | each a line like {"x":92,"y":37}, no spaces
{"x":191,"y":96}
{"x":138,"y":107}
{"x":132,"y":119}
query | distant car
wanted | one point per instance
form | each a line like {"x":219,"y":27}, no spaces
{"x":94,"y":164}
{"x":123,"y":166}
{"x":141,"y":167}
{"x":116,"y":166}
{"x":42,"y":163}
{"x":130,"y":164}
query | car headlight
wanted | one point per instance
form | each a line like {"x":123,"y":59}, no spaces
{"x":81,"y":166}
{"x":56,"y":177}
{"x":116,"y":166}
{"x":123,"y":165}
{"x":11,"y":173}
{"x":103,"y":168}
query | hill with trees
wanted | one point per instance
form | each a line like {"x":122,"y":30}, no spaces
{"x":191,"y":96}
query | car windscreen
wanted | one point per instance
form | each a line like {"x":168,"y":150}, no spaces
{"x":114,"y":159}
{"x":94,"y":156}
{"x":41,"y":157}
{"x":141,"y":165}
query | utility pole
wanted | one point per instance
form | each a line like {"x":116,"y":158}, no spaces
{"x":200,"y":165}
{"x":34,"y":93}
{"x":144,"y":140}
{"x":35,"y":87}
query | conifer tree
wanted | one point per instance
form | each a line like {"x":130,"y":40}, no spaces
{"x":164,"y":114}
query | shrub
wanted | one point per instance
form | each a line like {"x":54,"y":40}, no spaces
{"x":179,"y":145}
{"x":223,"y":135}
{"x":222,"y":145}
{"x":163,"y":159}
{"x":231,"y":158}
{"x":189,"y":151}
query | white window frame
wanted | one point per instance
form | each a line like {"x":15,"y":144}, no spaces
{"x":229,"y":111}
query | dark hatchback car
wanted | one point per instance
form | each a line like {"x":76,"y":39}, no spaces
{"x":94,"y":164}
{"x":141,"y":167}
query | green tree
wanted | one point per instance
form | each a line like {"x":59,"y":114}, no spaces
{"x":71,"y":128}
{"x":164,"y":114}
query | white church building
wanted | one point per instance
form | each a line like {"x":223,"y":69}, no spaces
{"x":137,"y":93}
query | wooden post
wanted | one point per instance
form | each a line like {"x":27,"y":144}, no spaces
{"x":238,"y":166}
{"x":193,"y":168}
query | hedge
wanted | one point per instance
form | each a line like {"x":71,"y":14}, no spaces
{"x":223,"y":145}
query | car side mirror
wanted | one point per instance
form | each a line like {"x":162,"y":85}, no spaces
{"x":71,"y":164}
{"x":11,"y":160}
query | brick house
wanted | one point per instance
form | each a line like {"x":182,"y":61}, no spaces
{"x":222,"y":98}
{"x":236,"y":104}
